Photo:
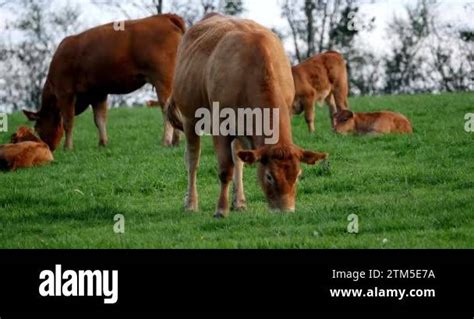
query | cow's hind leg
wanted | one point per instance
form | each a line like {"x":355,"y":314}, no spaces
{"x":100,"y":118}
{"x":68,"y":113}
{"x":223,"y":147}
{"x":170,"y":135}
{"x":192,"y":156}
{"x":239,"y":202}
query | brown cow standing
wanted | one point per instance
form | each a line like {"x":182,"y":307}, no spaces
{"x":318,"y":79}
{"x":372,"y":123}
{"x":238,"y":63}
{"x":26,"y":151}
{"x":110,"y":59}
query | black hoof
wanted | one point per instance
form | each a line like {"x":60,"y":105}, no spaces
{"x":219,"y":215}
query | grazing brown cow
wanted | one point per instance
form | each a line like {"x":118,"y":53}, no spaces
{"x":110,"y":59}
{"x":318,"y":79}
{"x":26,"y":151}
{"x":238,"y":63}
{"x":372,"y":123}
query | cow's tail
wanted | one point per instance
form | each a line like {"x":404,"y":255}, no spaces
{"x":174,"y":115}
{"x":177,"y":21}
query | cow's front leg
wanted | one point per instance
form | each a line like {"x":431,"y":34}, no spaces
{"x":68,"y":113}
{"x":309,"y":113}
{"x":239,"y":202}
{"x":331,"y":102}
{"x":100,"y":118}
{"x":226,"y":170}
{"x":192,"y":156}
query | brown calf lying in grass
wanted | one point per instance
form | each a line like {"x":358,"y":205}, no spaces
{"x":25,"y":151}
{"x":372,"y":123}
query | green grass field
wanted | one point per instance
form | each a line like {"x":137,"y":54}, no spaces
{"x":408,"y":191}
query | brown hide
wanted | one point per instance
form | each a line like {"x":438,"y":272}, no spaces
{"x":239,"y":64}
{"x":372,"y":123}
{"x":322,"y":78}
{"x":26,"y":151}
{"x":106,"y":60}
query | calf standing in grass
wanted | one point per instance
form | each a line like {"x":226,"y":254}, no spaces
{"x":372,"y":123}
{"x":86,"y":68}
{"x":238,"y":63}
{"x":318,"y":79}
{"x":26,"y":151}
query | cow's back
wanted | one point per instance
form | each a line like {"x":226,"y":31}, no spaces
{"x":321,"y":72}
{"x":385,"y":122}
{"x":115,"y":58}
{"x":223,"y":59}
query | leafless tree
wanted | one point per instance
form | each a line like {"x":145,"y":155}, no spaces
{"x":451,"y":65}
{"x":190,"y":10}
{"x":319,"y":25}
{"x":26,"y":57}
{"x":404,"y":67}
{"x":147,"y":7}
{"x":289,"y":11}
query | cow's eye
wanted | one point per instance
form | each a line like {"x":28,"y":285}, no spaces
{"x":269,"y":178}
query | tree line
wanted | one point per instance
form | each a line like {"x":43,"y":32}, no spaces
{"x":422,"y":54}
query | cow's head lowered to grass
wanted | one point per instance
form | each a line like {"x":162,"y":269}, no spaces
{"x":49,"y":126}
{"x":278,"y":172}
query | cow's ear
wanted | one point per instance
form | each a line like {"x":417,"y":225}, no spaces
{"x":32,"y":116}
{"x":344,"y":116}
{"x":249,"y":157}
{"x":312,"y":158}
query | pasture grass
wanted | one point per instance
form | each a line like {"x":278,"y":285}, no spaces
{"x":408,"y":191}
